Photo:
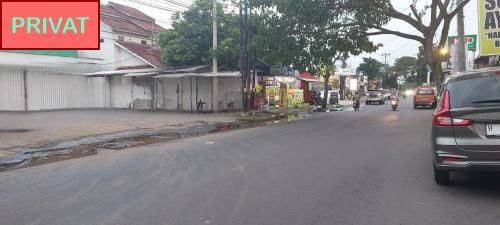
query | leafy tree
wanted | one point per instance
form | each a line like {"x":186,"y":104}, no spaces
{"x":371,"y":68}
{"x":273,"y":45}
{"x":189,"y":42}
{"x":419,"y":76}
{"x":404,"y":66}
{"x":306,"y":25}
{"x":377,"y":13}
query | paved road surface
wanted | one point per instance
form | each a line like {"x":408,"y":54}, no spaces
{"x":368,"y":167}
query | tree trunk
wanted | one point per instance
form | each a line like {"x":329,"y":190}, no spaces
{"x":434,"y":61}
{"x":325,"y":94}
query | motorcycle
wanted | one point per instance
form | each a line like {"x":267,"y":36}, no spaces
{"x":355,"y":105}
{"x":394,"y":104}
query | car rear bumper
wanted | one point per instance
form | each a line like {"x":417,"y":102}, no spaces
{"x":459,"y":160}
{"x":471,"y":166}
{"x":423,"y":103}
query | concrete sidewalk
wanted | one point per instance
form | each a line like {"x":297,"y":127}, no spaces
{"x":38,"y":128}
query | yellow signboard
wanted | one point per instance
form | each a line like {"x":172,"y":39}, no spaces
{"x":489,"y":27}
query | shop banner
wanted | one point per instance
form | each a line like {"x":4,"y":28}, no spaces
{"x":49,"y":25}
{"x":489,"y":27}
{"x":470,"y":41}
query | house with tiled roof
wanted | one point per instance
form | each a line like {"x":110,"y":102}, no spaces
{"x":127,"y":72}
{"x":133,"y":35}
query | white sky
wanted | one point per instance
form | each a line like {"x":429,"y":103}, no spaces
{"x":399,"y":47}
{"x":395,"y":46}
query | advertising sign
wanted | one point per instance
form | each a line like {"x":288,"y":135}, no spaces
{"x":489,"y":27}
{"x":49,"y":25}
{"x":470,"y":41}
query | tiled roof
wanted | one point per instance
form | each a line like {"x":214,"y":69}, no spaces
{"x":146,"y":52}
{"x":130,"y":11}
{"x":124,"y":24}
{"x":126,"y":18}
{"x":147,"y":25}
{"x":109,"y":10}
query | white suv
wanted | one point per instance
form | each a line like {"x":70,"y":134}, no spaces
{"x":375,"y":96}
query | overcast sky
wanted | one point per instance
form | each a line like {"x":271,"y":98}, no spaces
{"x":395,"y":46}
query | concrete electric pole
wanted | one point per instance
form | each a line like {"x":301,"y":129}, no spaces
{"x":386,"y":65}
{"x":215,"y":81}
{"x":243,"y":54}
{"x":461,"y":39}
{"x":214,"y":34}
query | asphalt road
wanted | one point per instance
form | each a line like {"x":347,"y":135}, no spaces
{"x":367,"y":167}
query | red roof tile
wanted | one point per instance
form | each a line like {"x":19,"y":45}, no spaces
{"x":148,"y":53}
{"x":109,"y":10}
{"x":128,"y":19}
{"x":147,"y":25}
{"x":124,"y":24}
{"x":130,"y":11}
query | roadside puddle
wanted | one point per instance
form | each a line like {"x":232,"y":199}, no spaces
{"x":72,"y":149}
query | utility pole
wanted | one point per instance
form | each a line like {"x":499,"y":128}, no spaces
{"x":247,"y":57}
{"x":214,"y":35}
{"x":385,"y":55}
{"x":461,"y":39}
{"x":243,"y":60}
{"x":215,"y":80}
{"x":386,"y":66}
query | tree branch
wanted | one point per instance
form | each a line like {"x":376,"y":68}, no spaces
{"x":414,"y":10}
{"x":459,"y":7}
{"x":398,"y":15}
{"x":444,"y":32}
{"x":397,"y":33}
{"x":434,"y":6}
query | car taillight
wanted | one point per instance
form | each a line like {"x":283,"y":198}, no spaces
{"x":443,"y":116}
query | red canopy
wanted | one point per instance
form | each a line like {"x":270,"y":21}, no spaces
{"x":307,"y":76}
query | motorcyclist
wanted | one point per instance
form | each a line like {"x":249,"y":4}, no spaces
{"x":356,"y":97}
{"x":395,"y":97}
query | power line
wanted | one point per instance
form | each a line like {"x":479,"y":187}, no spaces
{"x":153,"y":6}
{"x":177,"y":3}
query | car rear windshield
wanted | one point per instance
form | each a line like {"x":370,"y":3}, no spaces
{"x":476,"y":92}
{"x":425,"y":91}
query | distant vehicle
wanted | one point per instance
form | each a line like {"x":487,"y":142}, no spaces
{"x":375,"y":96}
{"x":466,"y":125}
{"x":424,"y":96}
{"x":387,"y":94}
{"x":333,"y":96}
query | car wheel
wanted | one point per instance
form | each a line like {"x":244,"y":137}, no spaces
{"x":442,"y":177}
{"x":434,"y":105}
{"x":414,"y":106}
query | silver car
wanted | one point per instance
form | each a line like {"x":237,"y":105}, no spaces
{"x":466,"y":124}
{"x":375,"y":96}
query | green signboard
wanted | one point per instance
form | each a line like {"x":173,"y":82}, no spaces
{"x":470,"y":40}
{"x":62,"y":53}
